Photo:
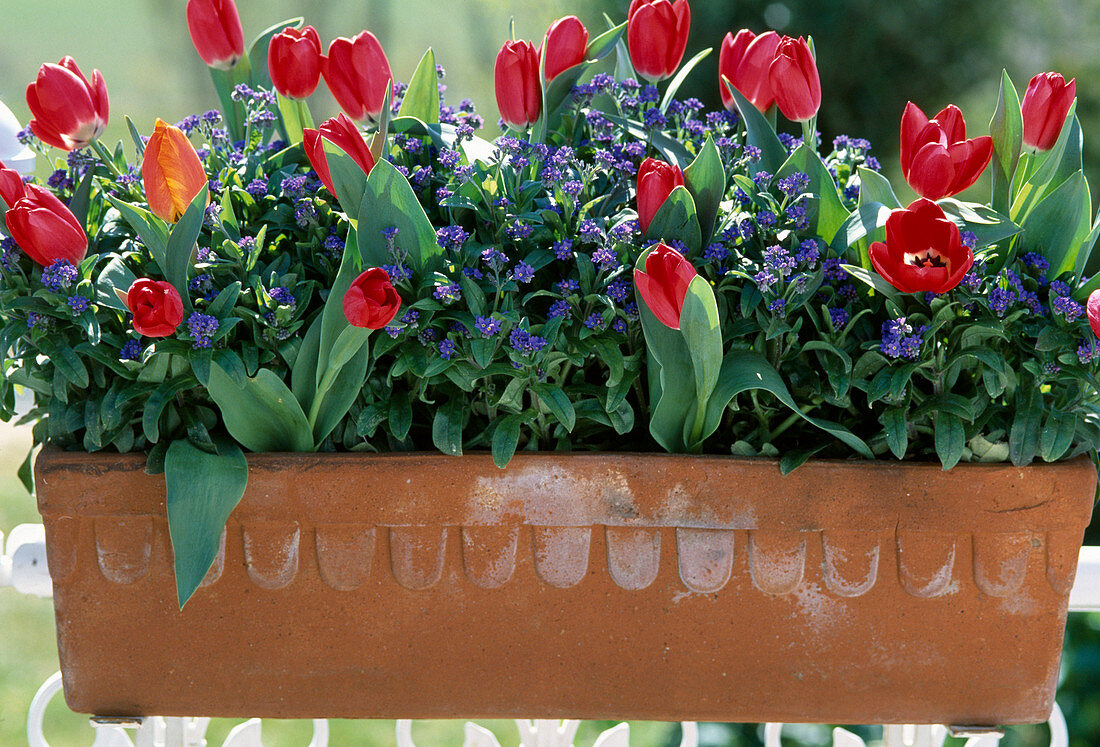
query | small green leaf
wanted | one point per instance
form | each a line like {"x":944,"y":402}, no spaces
{"x":876,"y":281}
{"x":25,"y":473}
{"x":1023,"y":438}
{"x":202,"y":491}
{"x":1057,"y":435}
{"x":400,"y":416}
{"x":114,"y":275}
{"x":792,"y":460}
{"x":557,"y":402}
{"x":422,"y":97}
{"x":1006,"y":129}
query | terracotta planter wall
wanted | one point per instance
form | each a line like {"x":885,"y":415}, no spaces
{"x":583,"y":586}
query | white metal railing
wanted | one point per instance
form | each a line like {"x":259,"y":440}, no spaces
{"x":23,"y":567}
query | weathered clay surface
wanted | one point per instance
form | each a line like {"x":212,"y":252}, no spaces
{"x":584,"y":586}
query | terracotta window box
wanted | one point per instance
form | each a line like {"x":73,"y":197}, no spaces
{"x":574,"y":585}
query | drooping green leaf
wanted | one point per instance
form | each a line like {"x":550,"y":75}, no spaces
{"x":447,"y":427}
{"x":114,"y":275}
{"x":896,"y":429}
{"x":202,"y":491}
{"x":25,"y":473}
{"x":864,"y":221}
{"x":400,"y":416}
{"x":950,"y":439}
{"x":677,"y":220}
{"x":158,"y":400}
{"x":1006,"y":129}
{"x":760,"y":132}
{"x":702,"y":335}
{"x":876,"y":281}
{"x":705,"y":179}
{"x":505,"y":439}
{"x":792,"y":460}
{"x":744,"y":370}
{"x":263,"y":415}
{"x":1023,"y":437}
{"x":1057,"y":435}
{"x":422,"y":97}
{"x":152,"y":230}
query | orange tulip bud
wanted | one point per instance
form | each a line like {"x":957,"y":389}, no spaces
{"x":172,"y":172}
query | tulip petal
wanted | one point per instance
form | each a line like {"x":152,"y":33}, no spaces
{"x":932,"y":172}
{"x":913,"y":122}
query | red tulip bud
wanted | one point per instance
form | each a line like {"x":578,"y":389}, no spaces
{"x":68,"y":110}
{"x":664,"y":284}
{"x":564,"y":46}
{"x":156,"y":306}
{"x":371,"y":301}
{"x":519,"y":93}
{"x":923,"y":250}
{"x":12,"y":186}
{"x":794,"y":80}
{"x":341,"y":132}
{"x":1045,"y":108}
{"x":294,"y":61}
{"x":936,"y":158}
{"x":656,"y":180}
{"x":657,"y":35}
{"x":358,"y":74}
{"x":745,"y":60}
{"x":215,"y":28}
{"x":1092,"y":307}
{"x":45,"y":229}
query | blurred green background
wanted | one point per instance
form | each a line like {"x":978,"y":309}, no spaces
{"x":873,"y":57}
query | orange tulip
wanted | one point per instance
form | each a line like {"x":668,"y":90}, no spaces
{"x":172,"y":172}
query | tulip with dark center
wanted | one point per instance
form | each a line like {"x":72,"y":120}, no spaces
{"x":923,"y":251}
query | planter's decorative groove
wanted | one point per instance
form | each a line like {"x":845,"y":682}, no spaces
{"x":573,"y":585}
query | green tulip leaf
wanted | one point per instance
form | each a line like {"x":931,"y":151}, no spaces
{"x":347,"y":383}
{"x":389,"y":202}
{"x":1041,"y":180}
{"x":989,"y":226}
{"x":151,"y":229}
{"x":202,"y":491}
{"x":876,"y":281}
{"x":760,"y":132}
{"x":263,"y":415}
{"x":348,"y":178}
{"x":422,"y":97}
{"x":705,"y":178}
{"x":677,"y":219}
{"x":863,"y":222}
{"x":702,"y":335}
{"x":182,"y":244}
{"x":950,"y":438}
{"x":680,"y":77}
{"x":874,"y":187}
{"x":115,"y":275}
{"x":333,"y":320}
{"x":825,"y":209}
{"x":1058,"y":225}
{"x":1006,"y":129}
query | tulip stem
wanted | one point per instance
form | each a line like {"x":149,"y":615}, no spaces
{"x":809,"y":134}
{"x":105,"y":156}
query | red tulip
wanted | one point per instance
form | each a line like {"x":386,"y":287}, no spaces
{"x":216,"y":32}
{"x":664,"y":284}
{"x":358,"y":74}
{"x":745,"y":61}
{"x":68,"y":111}
{"x":936,"y":158}
{"x":923,"y":250}
{"x":12,"y":186}
{"x":794,"y":79}
{"x":341,"y":132}
{"x":656,"y":180}
{"x":371,"y":301}
{"x":1045,"y":107}
{"x":156,"y":306}
{"x":172,"y":172}
{"x":563,"y":46}
{"x":294,"y":61}
{"x":45,"y":229}
{"x":657,"y":35}
{"x":516,"y":76}
{"x":1092,"y":307}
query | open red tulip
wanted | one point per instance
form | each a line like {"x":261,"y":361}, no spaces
{"x":69,"y":110}
{"x":923,"y":251}
{"x":341,"y":132}
{"x":664,"y":284}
